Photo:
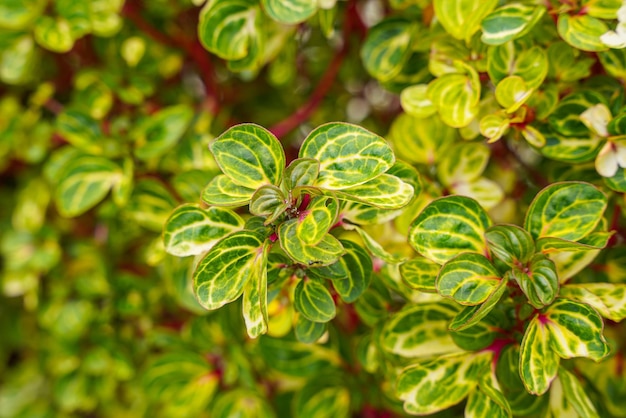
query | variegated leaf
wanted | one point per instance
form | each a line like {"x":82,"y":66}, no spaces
{"x":385,"y":191}
{"x":464,"y":222}
{"x":221,"y":275}
{"x":159,"y":133}
{"x":421,"y":141}
{"x":249,"y":155}
{"x":387,"y":47}
{"x":415,"y":101}
{"x":349,"y":155}
{"x":575,"y":394}
{"x":307,"y":331}
{"x":254,"y":303}
{"x":510,"y":243}
{"x":609,"y":299}
{"x":479,"y":405}
{"x":461,"y":18}
{"x":538,"y":280}
{"x":456,"y":97}
{"x":420,"y":273}
{"x":315,"y":221}
{"x":463,"y":162}
{"x":582,"y":31}
{"x":301,"y":172}
{"x":512,"y":92}
{"x":468,"y":278}
{"x":538,"y":362}
{"x":568,"y":210}
{"x":358,"y":266}
{"x":321,"y":399}
{"x":575,"y":330}
{"x":419,"y":331}
{"x":325,"y":252}
{"x":377,"y":250}
{"x":289,"y":11}
{"x":571,"y":257}
{"x":471,"y":315}
{"x":222,"y":191}
{"x":192,"y":230}
{"x":313,"y":300}
{"x":509,"y":22}
{"x":438,"y":384}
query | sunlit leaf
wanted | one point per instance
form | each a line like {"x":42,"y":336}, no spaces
{"x":538,"y":363}
{"x":468,"y":278}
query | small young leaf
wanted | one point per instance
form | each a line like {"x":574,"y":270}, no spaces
{"x":358,"y":266}
{"x":191,"y":230}
{"x":576,"y":330}
{"x":512,"y":92}
{"x":510,"y":243}
{"x":538,"y":363}
{"x":249,"y":155}
{"x":471,"y":315}
{"x":221,"y":191}
{"x":325,"y":252}
{"x":221,"y":275}
{"x":313,"y":300}
{"x":538,"y":280}
{"x":348,"y":154}
{"x":449,"y":226}
{"x":301,"y":172}
{"x":468,"y":278}
{"x":568,"y":210}
{"x":316,"y":220}
{"x":268,"y":201}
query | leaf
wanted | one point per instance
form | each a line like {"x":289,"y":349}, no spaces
{"x":227,"y":29}
{"x":487,"y":193}
{"x":510,"y":244}
{"x":530,"y":64}
{"x":456,"y":97}
{"x":419,"y":331}
{"x":461,"y":18}
{"x":314,"y":401}
{"x":358,"y":266}
{"x":316,"y":220}
{"x":464,"y":162}
{"x":268,"y":201}
{"x":191,"y":230}
{"x":479,"y":405}
{"x":241,"y":403}
{"x":415,"y":101}
{"x":349,"y":155}
{"x":512,"y":92}
{"x":609,"y":299}
{"x":438,"y":384}
{"x":325,"y":252}
{"x":54,"y":34}
{"x":568,"y":210}
{"x":313,"y":300}
{"x":566,"y":118}
{"x":538,"y":280}
{"x":301,"y":172}
{"x":80,"y":130}
{"x":376,"y":249}
{"x":84,"y":183}
{"x":468,"y":278}
{"x":159,"y":133}
{"x":490,"y":388}
{"x":576,"y":330}
{"x":249,"y":155}
{"x":471,"y":315}
{"x":420,"y":273}
{"x":571,"y":257}
{"x":221,"y":275}
{"x":387,"y":47}
{"x":307,"y":331}
{"x":575,"y":394}
{"x":289,"y":11}
{"x":222,"y":191}
{"x":384,"y":191}
{"x":510,"y":21}
{"x":538,"y":363}
{"x":421,"y":141}
{"x":463,"y":221}
{"x":150,"y":204}
{"x":582,"y":31}
{"x":254,"y":304}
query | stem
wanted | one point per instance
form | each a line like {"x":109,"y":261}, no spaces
{"x":305,"y":111}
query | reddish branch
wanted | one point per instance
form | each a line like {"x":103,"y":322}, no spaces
{"x":352,"y":21}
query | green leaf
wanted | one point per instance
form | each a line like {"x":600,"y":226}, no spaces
{"x":576,"y":395}
{"x":512,"y":92}
{"x":438,"y":384}
{"x":241,"y":403}
{"x":191,"y":230}
{"x":510,"y":244}
{"x":307,"y":331}
{"x":150,"y":204}
{"x":609,"y":299}
{"x":468,"y":278}
{"x":576,"y":330}
{"x":301,"y":172}
{"x":464,"y":222}
{"x":456,"y":97}
{"x":571,"y":257}
{"x":463,"y":163}
{"x":254,"y":304}
{"x":420,"y":273}
{"x":54,"y":34}
{"x":415,"y":101}
{"x":566,"y":118}
{"x":538,"y":280}
{"x":80,"y":130}
{"x":538,"y":363}
{"x":358,"y":266}
{"x":421,"y":141}
{"x":376,"y":249}
{"x":325,"y":252}
{"x":387,"y":47}
{"x":313,"y":300}
{"x":349,"y":155}
{"x":227,"y":29}
{"x":530,"y":64}
{"x":385,"y":191}
{"x":268,"y":201}
{"x":568,"y":210}
{"x":471,"y":315}
{"x":222,"y":191}
{"x":314,"y":401}
{"x":582,"y":31}
{"x":289,"y":11}
{"x":496,"y":403}
{"x":84,"y":183}
{"x":570,"y":149}
{"x":510,"y":21}
{"x":479,"y":405}
{"x":159,"y":133}
{"x":315,"y":221}
{"x":419,"y":331}
{"x":249,"y":155}
{"x":461,"y":18}
{"x":221,"y":275}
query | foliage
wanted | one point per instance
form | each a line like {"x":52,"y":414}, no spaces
{"x":314,"y":208}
